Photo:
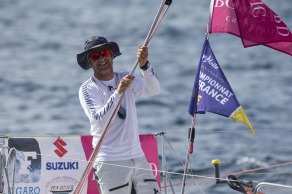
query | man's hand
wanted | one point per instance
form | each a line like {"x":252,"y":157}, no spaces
{"x":142,"y":55}
{"x":125,"y":83}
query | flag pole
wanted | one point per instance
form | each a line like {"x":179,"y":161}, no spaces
{"x":154,"y":26}
{"x":192,"y":130}
{"x":191,"y":134}
{"x":191,"y":137}
{"x":209,"y":24}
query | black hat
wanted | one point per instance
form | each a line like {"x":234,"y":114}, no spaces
{"x":97,"y":43}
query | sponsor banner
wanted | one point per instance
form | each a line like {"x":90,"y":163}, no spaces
{"x":54,"y":165}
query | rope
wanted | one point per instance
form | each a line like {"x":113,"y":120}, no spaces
{"x":240,"y":131}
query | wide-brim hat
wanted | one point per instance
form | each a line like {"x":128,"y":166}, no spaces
{"x":97,"y":44}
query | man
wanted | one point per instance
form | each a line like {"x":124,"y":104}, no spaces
{"x":121,"y":162}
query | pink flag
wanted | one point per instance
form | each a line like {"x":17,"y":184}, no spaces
{"x":253,"y":21}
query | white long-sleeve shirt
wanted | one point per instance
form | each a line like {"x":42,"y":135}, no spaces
{"x":122,"y":139}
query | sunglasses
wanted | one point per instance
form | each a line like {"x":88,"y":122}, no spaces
{"x":95,"y":56}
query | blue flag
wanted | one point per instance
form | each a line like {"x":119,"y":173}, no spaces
{"x":212,"y":92}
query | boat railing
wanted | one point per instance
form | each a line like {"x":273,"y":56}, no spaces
{"x":4,"y":165}
{"x":262,"y":184}
{"x":164,"y":174}
{"x":2,"y":162}
{"x":243,"y":186}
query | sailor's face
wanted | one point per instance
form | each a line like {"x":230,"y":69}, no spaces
{"x":102,"y":63}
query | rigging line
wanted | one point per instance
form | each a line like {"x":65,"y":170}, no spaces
{"x":198,"y":132}
{"x":161,"y":171}
{"x":239,"y":172}
{"x":127,"y":166}
{"x":196,"y":183}
{"x":200,"y":188}
{"x":167,"y":172}
{"x":110,"y":164}
{"x":191,"y":175}
{"x":63,"y":158}
{"x":234,"y":173}
{"x":261,"y":168}
{"x":169,"y":179}
{"x":174,"y":150}
{"x":240,"y":131}
{"x":203,"y":178}
{"x":269,"y":173}
{"x":192,"y":181}
{"x":177,"y":155}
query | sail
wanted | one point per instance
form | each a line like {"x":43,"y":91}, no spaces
{"x":212,"y":92}
{"x":253,"y":21}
